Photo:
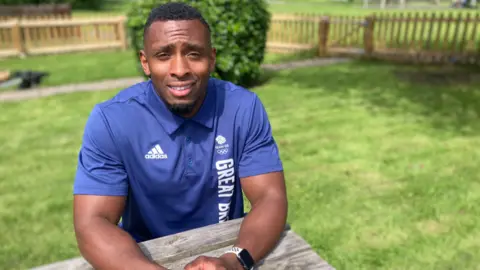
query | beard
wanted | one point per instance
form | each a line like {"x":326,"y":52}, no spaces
{"x":181,"y":109}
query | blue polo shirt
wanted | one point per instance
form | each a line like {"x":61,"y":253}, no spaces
{"x":178,"y":174}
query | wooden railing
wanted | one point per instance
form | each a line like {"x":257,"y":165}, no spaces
{"x":32,"y":37}
{"x":432,"y":36}
{"x":429,"y":36}
{"x":441,"y":36}
{"x":10,"y":39}
{"x":290,"y":33}
{"x":42,"y":11}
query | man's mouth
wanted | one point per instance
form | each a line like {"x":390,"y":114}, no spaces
{"x":180,"y":90}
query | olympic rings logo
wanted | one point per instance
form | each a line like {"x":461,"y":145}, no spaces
{"x":222,"y":151}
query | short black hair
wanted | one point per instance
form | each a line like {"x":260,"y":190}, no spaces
{"x":174,"y":11}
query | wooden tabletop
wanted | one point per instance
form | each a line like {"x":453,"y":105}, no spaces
{"x":175,"y":251}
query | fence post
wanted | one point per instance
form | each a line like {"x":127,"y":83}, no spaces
{"x":17,"y":38}
{"x":323,"y":29}
{"x":368,"y":42}
{"x":122,"y":33}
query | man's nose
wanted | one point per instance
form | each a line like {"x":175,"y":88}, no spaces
{"x":179,"y":66}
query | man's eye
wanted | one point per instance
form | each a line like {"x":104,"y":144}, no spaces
{"x":162,"y":55}
{"x":194,"y":54}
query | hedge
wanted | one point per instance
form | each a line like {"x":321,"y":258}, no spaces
{"x":239,"y":33}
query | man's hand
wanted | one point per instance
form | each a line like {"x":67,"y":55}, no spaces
{"x":225,"y":262}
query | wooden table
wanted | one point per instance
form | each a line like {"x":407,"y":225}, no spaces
{"x":175,"y":251}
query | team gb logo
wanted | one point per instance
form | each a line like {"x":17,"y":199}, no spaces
{"x":220,"y":139}
{"x":221,"y":148}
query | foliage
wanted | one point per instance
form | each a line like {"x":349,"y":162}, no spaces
{"x":239,"y":33}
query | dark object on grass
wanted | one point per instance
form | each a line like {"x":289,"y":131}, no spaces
{"x":25,"y":79}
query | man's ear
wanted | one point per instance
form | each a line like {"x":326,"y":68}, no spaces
{"x":143,"y":60}
{"x":213,"y":59}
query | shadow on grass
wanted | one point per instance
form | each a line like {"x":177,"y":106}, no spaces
{"x":447,"y":97}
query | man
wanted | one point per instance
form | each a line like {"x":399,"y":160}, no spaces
{"x":174,"y":153}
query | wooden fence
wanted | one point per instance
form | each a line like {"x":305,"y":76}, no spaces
{"x":33,"y":37}
{"x":429,"y":37}
{"x":44,"y":11}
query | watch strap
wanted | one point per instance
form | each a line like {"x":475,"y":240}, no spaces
{"x":243,"y":257}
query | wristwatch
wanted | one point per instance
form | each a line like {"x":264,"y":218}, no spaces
{"x":243,"y":257}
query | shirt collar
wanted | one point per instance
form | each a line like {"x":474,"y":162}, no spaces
{"x":206,"y":113}
{"x":172,"y":122}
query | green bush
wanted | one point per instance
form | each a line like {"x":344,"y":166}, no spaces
{"x":239,"y":33}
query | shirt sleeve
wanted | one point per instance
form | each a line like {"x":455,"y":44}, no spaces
{"x":260,"y":154}
{"x":100,"y":170}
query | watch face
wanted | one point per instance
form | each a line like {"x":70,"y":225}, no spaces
{"x":246,"y":259}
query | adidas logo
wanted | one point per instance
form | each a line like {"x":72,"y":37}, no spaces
{"x":156,"y":153}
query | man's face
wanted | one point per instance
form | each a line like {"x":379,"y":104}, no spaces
{"x":179,"y":58}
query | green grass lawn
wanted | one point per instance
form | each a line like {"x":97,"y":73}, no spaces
{"x":277,"y":58}
{"x":339,"y":7}
{"x":78,"y":67}
{"x":297,"y":6}
{"x":381,"y":172}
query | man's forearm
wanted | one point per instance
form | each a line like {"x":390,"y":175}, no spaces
{"x":262,"y":227}
{"x":106,"y":246}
